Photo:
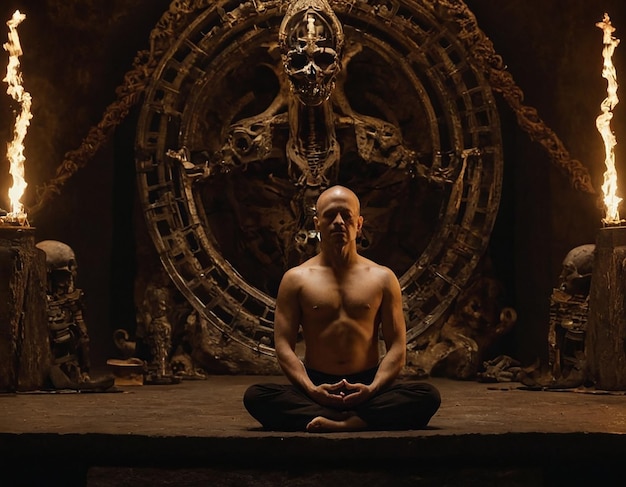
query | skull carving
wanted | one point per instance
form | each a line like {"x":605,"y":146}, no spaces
{"x":311,"y":39}
{"x":575,"y":278}
{"x":62,"y":266}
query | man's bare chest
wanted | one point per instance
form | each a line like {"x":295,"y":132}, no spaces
{"x":330,"y":299}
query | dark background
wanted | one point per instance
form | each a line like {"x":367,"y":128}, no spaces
{"x":77,"y":52}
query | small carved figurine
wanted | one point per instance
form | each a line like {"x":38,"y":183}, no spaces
{"x":157,"y":334}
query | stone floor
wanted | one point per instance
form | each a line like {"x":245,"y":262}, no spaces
{"x":198,"y":433}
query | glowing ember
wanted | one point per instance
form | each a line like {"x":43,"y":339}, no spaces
{"x":603,"y":123}
{"x":15,"y":149}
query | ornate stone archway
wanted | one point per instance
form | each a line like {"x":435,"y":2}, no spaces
{"x":224,"y":210}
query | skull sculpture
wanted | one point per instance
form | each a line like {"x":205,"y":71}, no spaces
{"x":61,"y":265}
{"x":575,"y":278}
{"x":311,"y":39}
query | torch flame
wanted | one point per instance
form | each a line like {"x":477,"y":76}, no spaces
{"x":15,"y":149}
{"x":603,"y":123}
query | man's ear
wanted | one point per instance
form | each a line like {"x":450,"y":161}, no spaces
{"x":316,"y":221}
{"x":359,"y":225}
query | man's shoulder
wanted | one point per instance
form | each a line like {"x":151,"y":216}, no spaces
{"x":302,"y":269}
{"x":375,"y":266}
{"x":299,"y":277}
{"x":382,"y":273}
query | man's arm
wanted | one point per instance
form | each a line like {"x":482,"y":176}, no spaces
{"x":286,"y":324}
{"x":394,"y":333}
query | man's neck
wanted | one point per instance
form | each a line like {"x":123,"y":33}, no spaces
{"x":339,"y":257}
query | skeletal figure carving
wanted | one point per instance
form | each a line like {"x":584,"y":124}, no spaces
{"x":311,"y":106}
{"x":69,"y":338}
{"x":569,"y":308}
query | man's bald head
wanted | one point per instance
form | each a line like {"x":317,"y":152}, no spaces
{"x":338,"y":193}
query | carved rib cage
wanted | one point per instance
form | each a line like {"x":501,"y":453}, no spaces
{"x":446,"y":115}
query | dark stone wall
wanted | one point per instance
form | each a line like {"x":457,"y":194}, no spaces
{"x":554,"y":52}
{"x":76,"y":53}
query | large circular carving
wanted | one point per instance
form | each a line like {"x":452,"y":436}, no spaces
{"x":419,"y":141}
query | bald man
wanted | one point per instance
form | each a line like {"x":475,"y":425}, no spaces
{"x":342,"y":302}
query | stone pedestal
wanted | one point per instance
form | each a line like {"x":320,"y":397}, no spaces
{"x":605,"y":346}
{"x":25,"y":355}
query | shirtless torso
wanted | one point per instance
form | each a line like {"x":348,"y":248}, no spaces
{"x":339,"y":315}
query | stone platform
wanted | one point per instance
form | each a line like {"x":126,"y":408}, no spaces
{"x":198,"y":433}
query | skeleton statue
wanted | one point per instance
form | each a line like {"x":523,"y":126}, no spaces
{"x":312,"y":49}
{"x":311,"y":40}
{"x":569,"y":306}
{"x":69,"y":338}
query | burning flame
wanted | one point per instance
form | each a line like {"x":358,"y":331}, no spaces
{"x":603,"y":123}
{"x":15,"y":149}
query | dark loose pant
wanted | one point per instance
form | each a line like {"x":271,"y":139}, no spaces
{"x":404,"y":405}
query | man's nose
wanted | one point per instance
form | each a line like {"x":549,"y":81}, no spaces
{"x":338,"y":220}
